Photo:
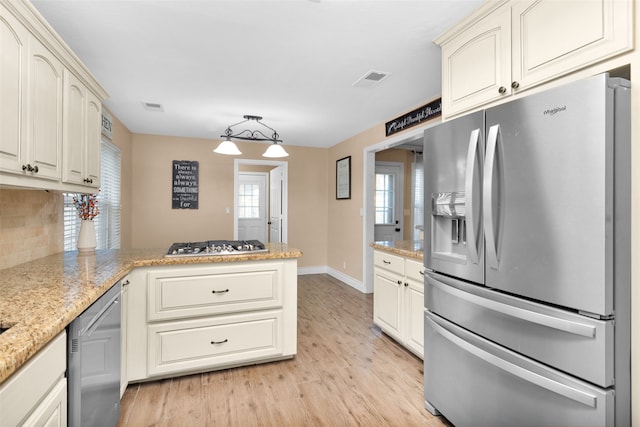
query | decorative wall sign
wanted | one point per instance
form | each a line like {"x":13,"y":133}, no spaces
{"x":184,"y":193}
{"x":415,"y":117}
{"x":343,"y":178}
{"x":107,"y":124}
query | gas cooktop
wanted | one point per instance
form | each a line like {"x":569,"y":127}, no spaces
{"x":216,"y":247}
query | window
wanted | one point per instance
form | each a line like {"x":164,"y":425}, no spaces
{"x":107,"y":223}
{"x":248,"y":201}
{"x":385,"y":197}
{"x":418,"y":197}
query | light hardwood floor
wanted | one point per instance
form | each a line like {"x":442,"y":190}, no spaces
{"x":346,"y":373}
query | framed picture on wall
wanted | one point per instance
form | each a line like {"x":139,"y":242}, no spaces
{"x":343,"y":178}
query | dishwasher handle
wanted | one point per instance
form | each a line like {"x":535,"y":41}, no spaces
{"x":95,"y":321}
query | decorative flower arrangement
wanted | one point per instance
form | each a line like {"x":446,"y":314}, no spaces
{"x":86,"y":205}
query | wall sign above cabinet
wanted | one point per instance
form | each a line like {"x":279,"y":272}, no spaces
{"x":415,"y":117}
{"x":184,"y":194}
{"x":107,"y":124}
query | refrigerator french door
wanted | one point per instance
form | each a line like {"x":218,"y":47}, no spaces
{"x":527,"y":253}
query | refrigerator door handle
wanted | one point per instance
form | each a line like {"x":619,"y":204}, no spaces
{"x":470,"y":209}
{"x":488,"y":189}
{"x":575,"y":328}
{"x":526,"y":375}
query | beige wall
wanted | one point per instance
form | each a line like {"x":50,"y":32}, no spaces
{"x":156,"y":224}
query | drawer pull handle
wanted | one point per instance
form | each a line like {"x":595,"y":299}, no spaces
{"x":386,"y":262}
{"x":220,"y":342}
{"x":220,"y":292}
{"x":421,"y":272}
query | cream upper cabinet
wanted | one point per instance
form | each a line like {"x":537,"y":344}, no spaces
{"x":476,"y":64}
{"x":507,"y":47}
{"x":81,"y":124}
{"x":13,"y":82}
{"x":51,"y":108}
{"x":31,"y":90}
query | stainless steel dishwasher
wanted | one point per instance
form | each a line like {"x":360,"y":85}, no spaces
{"x":93,"y":363}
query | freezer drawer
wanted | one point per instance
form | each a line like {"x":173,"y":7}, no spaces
{"x":501,"y":387}
{"x":572,"y":343}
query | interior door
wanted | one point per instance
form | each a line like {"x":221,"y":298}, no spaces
{"x":252,"y":206}
{"x":389,"y":189}
{"x":276,"y":208}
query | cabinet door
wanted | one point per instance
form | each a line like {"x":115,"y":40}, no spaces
{"x":476,"y":65}
{"x":92,"y":139}
{"x":13,"y":71}
{"x":387,"y":297}
{"x":553,"y":38}
{"x":52,"y":411}
{"x":414,"y":316}
{"x":44,"y":111}
{"x":74,"y":119}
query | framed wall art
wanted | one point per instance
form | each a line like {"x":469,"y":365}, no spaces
{"x":343,"y":178}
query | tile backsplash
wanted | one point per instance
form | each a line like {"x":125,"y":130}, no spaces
{"x":31,"y":225}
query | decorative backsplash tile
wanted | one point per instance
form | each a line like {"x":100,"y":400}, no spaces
{"x":31,"y":225}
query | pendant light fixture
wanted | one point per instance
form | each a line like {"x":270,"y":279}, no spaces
{"x":228,"y":147}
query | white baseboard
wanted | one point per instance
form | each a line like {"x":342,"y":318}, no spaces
{"x":354,"y":283}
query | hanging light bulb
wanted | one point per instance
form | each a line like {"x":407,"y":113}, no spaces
{"x":227,"y":147}
{"x":275,"y":151}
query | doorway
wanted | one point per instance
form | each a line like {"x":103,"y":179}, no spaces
{"x":273,"y":192}
{"x":252,"y":206}
{"x":389,"y":202}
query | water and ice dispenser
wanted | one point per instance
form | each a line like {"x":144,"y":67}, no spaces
{"x":449,"y":225}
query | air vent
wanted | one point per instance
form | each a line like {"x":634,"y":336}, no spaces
{"x":152,"y":106}
{"x":371,"y":78}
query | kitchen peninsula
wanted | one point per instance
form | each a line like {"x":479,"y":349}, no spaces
{"x":38,"y":299}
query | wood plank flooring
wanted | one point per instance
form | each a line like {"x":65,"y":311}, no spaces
{"x":346,"y":373}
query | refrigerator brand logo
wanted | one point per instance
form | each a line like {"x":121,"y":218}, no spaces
{"x":555,"y":110}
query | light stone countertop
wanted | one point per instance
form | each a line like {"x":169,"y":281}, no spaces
{"x":406,"y":248}
{"x":38,"y":299}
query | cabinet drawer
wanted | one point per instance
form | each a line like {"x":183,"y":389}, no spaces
{"x":389,"y":262}
{"x":176,"y":294}
{"x":213,"y":343}
{"x":414,"y":270}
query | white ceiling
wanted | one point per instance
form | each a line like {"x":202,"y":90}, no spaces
{"x":209,"y":63}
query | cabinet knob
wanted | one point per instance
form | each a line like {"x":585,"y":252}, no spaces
{"x":88,"y":180}
{"x":30,"y":168}
{"x":502,"y":90}
{"x":399,"y":282}
{"x":126,"y":283}
{"x":406,"y":284}
{"x":515,"y":85}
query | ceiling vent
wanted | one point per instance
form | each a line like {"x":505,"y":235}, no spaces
{"x":371,"y":78}
{"x":151,"y":106}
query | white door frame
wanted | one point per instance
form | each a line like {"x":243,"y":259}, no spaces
{"x":369,"y":169}
{"x":285,"y":192}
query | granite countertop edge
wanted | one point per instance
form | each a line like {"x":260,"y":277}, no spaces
{"x":406,"y":248}
{"x":39,"y":299}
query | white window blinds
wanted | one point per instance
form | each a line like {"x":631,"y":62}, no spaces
{"x":107,"y":223}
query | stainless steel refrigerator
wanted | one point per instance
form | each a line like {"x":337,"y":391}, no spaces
{"x":527,"y":253}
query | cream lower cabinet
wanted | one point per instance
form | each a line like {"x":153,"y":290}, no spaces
{"x":398,"y":299}
{"x":507,"y":47}
{"x":197,"y":318}
{"x":36,"y":395}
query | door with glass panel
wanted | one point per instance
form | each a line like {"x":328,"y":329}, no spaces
{"x":388,"y":213}
{"x":252,"y":206}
